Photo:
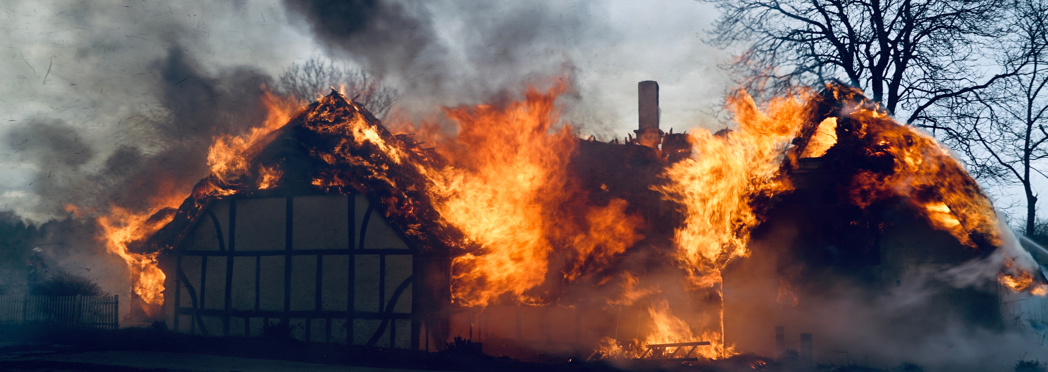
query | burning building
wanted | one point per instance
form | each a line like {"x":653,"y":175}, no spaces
{"x":516,"y":233}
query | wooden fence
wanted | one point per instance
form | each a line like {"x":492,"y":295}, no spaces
{"x":100,"y":312}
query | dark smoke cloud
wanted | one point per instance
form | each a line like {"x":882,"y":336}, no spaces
{"x":383,"y":35}
{"x":448,"y":53}
{"x":52,"y":142}
{"x":110,"y":105}
{"x":163,"y":150}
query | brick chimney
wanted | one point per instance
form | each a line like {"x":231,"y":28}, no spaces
{"x":649,"y":133}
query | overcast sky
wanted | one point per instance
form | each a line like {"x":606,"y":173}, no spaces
{"x":97,"y":98}
{"x":81,"y":78}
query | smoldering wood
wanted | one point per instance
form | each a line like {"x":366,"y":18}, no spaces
{"x":659,"y":351}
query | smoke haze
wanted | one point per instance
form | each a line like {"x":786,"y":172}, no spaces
{"x":101,"y":93}
{"x":114,"y":102}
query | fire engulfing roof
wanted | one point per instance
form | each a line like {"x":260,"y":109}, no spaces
{"x":300,"y":157}
{"x":337,"y":146}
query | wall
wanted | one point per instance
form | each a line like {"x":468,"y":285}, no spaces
{"x":331,"y":266}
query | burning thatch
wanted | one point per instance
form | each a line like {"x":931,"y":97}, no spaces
{"x":323,"y":148}
{"x":530,"y":214}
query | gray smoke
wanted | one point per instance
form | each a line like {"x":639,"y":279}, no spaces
{"x":385,"y":36}
{"x":155,"y":151}
{"x":450,"y":53}
{"x":109,"y":104}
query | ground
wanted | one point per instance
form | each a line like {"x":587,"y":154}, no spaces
{"x":151,"y":349}
{"x":155,"y":349}
{"x":42,"y":357}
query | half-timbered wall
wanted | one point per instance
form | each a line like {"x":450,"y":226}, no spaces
{"x":330,"y":266}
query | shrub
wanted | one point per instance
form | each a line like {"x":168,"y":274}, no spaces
{"x":159,"y":326}
{"x":1029,"y":366}
{"x":464,"y":346}
{"x":65,"y":284}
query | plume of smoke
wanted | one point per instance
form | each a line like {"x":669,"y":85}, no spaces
{"x":943,"y":317}
{"x":118,"y":122}
{"x":385,"y":36}
{"x":161,"y":151}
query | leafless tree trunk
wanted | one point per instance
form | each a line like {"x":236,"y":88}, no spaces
{"x":1004,"y":135}
{"x":318,"y":77}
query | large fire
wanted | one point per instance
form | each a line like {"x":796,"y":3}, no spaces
{"x":507,"y":188}
{"x":228,"y":159}
{"x":121,"y":227}
{"x":500,"y":195}
{"x":728,"y":175}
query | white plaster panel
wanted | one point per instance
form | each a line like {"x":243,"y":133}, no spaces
{"x":321,"y":222}
{"x":303,"y":283}
{"x":338,"y":330}
{"x":363,"y":329}
{"x":243,"y":291}
{"x":236,"y":326}
{"x":335,"y":283}
{"x":365,"y":293}
{"x":271,"y":284}
{"x":398,"y":269}
{"x":215,"y":296}
{"x":255,"y":326}
{"x":213,"y":324}
{"x":380,"y":235}
{"x":261,"y":224}
{"x":403,"y":330}
{"x":318,"y":330}
{"x":203,"y":237}
{"x":191,"y":267}
{"x":298,"y":328}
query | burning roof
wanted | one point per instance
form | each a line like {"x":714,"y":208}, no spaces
{"x":332,"y":146}
{"x":525,"y":208}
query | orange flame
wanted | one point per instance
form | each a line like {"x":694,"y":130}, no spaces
{"x":121,"y":227}
{"x":923,"y":172}
{"x":825,"y":137}
{"x":507,"y":189}
{"x":268,"y":177}
{"x":1019,"y":280}
{"x":631,"y":293}
{"x":670,"y":329}
{"x":726,"y":174}
{"x":667,"y":329}
{"x":228,"y":159}
{"x":229,"y":156}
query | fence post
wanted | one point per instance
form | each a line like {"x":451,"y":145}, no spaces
{"x":116,"y":311}
{"x":25,"y":308}
{"x":76,"y":312}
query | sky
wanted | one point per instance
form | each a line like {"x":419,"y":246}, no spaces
{"x":90,"y":86}
{"x":98,"y":98}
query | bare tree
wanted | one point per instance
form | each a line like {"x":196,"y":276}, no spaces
{"x":1003,"y":135}
{"x":317,"y":77}
{"x":907,"y":55}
